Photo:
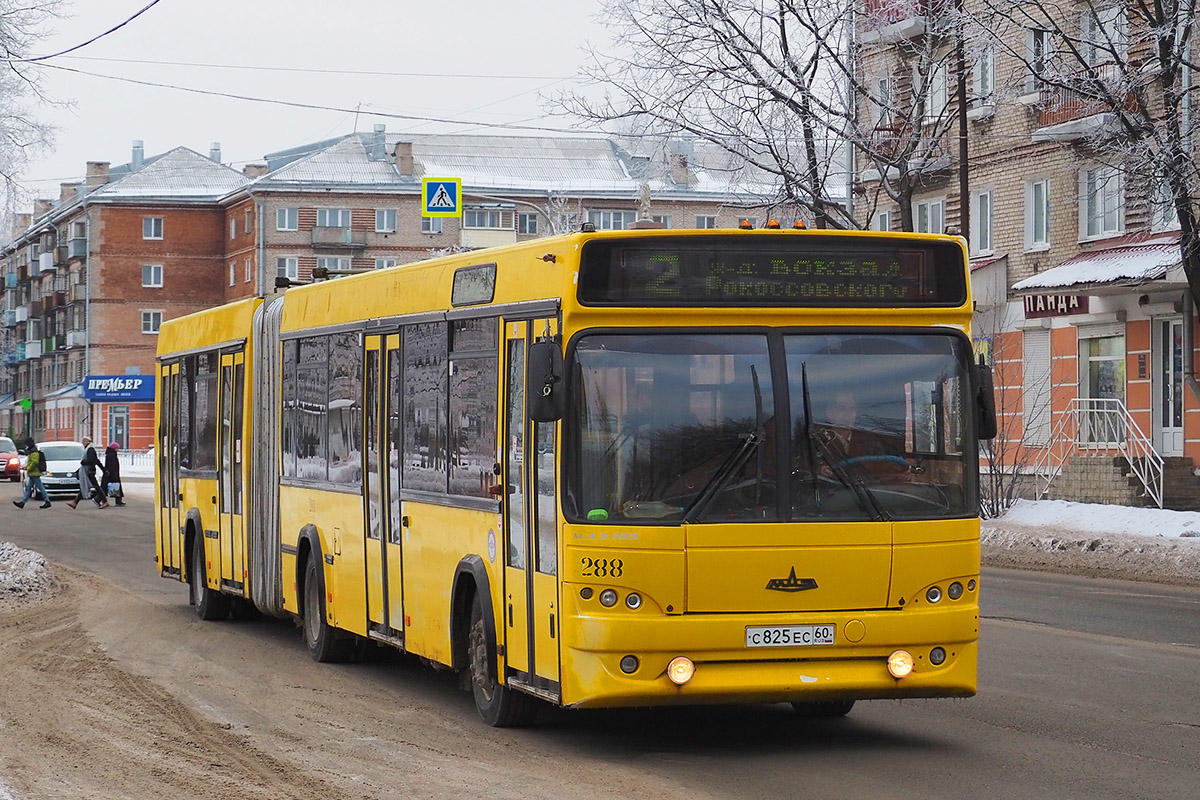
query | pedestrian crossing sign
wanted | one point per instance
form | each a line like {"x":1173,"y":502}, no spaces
{"x":442,"y":197}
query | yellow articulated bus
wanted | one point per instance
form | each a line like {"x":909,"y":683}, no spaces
{"x":644,"y":467}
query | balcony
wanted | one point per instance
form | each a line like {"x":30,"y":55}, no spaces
{"x":77,"y":248}
{"x":10,"y":356}
{"x":35,"y":309}
{"x":8,"y":318}
{"x":339,"y":238}
{"x":53,"y":300}
{"x":52,"y":343}
{"x":32,"y":350}
{"x":1072,"y":112}
{"x":76,"y":338}
{"x":10,"y":280}
{"x":20,"y":313}
{"x":891,"y":21}
{"x":22,"y":273}
{"x":77,"y":293}
{"x":60,"y":255}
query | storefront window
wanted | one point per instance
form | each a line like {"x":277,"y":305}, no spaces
{"x":1102,"y":368}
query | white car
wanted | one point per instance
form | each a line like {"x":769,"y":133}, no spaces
{"x":61,"y":476}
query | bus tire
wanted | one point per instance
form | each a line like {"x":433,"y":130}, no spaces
{"x":209,"y":604}
{"x":824,"y":709}
{"x":325,"y":644}
{"x":500,"y":706}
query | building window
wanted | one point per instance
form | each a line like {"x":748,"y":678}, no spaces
{"x":1102,"y":202}
{"x":232,"y":273}
{"x":483,"y":218}
{"x":662,"y":219}
{"x":935,"y":93}
{"x":1102,"y":377}
{"x":706,"y":222}
{"x":249,"y":269}
{"x":152,"y":227}
{"x":1162,"y":206}
{"x":527,"y":224}
{"x":985,"y":79}
{"x":287,"y":267}
{"x":151,"y":321}
{"x":334,"y":264}
{"x":287,"y":219}
{"x":431,"y":224}
{"x":930,"y":216}
{"x":1037,"y":46}
{"x":981,"y":222}
{"x":152,"y":276}
{"x":385,"y":220}
{"x":333,"y":218}
{"x":1103,"y":35}
{"x":232,"y":228}
{"x":881,"y":221}
{"x":612,"y":220}
{"x":1035,"y":388}
{"x":248,"y":221}
{"x":1037,"y":215}
{"x":385,"y":262}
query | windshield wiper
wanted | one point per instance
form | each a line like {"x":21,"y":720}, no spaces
{"x":727,"y":469}
{"x":831,"y":458}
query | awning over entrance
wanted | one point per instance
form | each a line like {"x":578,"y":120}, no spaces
{"x":67,"y":392}
{"x":1129,"y":261}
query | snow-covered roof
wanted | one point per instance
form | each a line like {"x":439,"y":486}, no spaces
{"x":1136,"y":260}
{"x":181,"y":173}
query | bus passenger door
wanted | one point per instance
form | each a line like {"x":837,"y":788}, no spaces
{"x":385,"y":611}
{"x":170,"y":544}
{"x":232,"y":545}
{"x":530,"y":523}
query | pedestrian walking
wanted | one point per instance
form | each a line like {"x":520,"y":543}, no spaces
{"x":110,"y":485}
{"x":88,"y":488}
{"x":35,"y":465}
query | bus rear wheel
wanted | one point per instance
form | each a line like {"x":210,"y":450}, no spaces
{"x":500,"y":706}
{"x":824,"y":709}
{"x":209,"y":604}
{"x":325,"y":643}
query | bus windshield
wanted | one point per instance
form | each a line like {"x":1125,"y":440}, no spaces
{"x":683,"y":427}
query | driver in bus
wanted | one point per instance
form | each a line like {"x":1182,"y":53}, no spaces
{"x":852,"y":445}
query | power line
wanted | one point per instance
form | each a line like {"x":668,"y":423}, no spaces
{"x":80,"y":46}
{"x":375,"y":73}
{"x":311,"y":106}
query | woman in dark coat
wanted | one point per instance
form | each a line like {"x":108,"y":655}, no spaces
{"x":112,"y":473}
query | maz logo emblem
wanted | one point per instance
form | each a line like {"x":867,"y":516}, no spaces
{"x":791,"y":583}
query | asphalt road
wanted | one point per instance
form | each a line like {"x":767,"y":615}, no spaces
{"x":1088,"y":689}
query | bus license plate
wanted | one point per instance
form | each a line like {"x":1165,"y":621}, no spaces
{"x":789,"y":635}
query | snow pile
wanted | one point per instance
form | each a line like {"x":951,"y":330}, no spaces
{"x":1146,"y":544}
{"x":24,"y":575}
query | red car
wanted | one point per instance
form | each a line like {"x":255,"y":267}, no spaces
{"x":10,"y":462}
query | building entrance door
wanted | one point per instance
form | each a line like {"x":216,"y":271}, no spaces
{"x":1168,"y":386}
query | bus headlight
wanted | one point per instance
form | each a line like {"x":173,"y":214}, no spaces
{"x":899,"y":664}
{"x":955,"y":591}
{"x":608,"y":598}
{"x":629,"y":664}
{"x":680,"y":670}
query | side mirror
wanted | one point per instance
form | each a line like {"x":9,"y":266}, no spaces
{"x":545,"y":389}
{"x":985,"y":401}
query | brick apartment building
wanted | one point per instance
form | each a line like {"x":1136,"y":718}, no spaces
{"x":1081,"y":300}
{"x":88,"y":279}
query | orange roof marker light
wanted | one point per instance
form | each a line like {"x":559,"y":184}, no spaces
{"x":773,"y":224}
{"x":745,"y":225}
{"x":799,"y":225}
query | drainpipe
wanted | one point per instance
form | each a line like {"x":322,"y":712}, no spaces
{"x":87,"y":305}
{"x":1189,"y":346}
{"x":259,"y":245}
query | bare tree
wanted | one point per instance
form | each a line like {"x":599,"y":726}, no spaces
{"x":782,"y":86}
{"x":22,"y":25}
{"x":1131,"y":66}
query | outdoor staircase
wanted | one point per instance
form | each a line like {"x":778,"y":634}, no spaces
{"x":1114,"y":480}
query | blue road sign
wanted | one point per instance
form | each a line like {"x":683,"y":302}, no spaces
{"x":442,"y":197}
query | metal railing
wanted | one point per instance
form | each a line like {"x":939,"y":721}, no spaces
{"x":1096,"y":426}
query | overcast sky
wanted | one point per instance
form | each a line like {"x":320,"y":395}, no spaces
{"x":478,"y":62}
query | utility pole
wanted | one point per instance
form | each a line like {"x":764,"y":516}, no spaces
{"x":964,"y":186}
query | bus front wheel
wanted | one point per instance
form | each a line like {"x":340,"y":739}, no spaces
{"x":325,"y":643}
{"x":209,"y":604}
{"x":500,"y":706}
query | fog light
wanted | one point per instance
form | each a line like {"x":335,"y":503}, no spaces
{"x":955,"y":591}
{"x":633,"y":600}
{"x":934,"y":594}
{"x":937,"y":656}
{"x":629,"y":665}
{"x":971,"y":584}
{"x":586,"y":593}
{"x":608,"y":598}
{"x":900,"y":664}
{"x":680,"y":670}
